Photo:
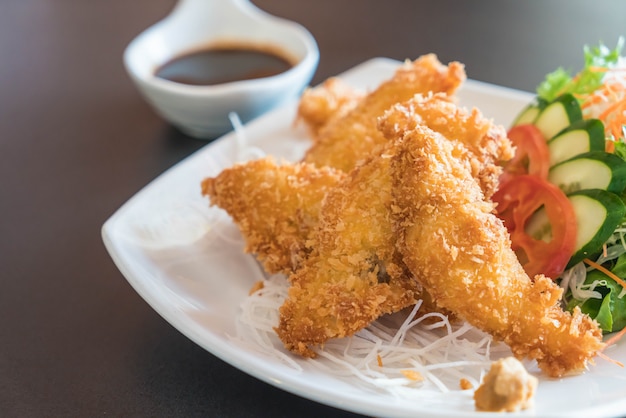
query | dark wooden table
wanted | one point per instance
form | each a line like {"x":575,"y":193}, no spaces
{"x":76,"y":141}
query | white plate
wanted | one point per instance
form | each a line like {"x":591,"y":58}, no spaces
{"x":175,"y":252}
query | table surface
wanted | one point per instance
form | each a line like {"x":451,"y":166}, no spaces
{"x":77,"y":141}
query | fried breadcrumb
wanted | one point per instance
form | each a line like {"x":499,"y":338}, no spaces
{"x":485,"y":145}
{"x":331,"y":100}
{"x":353,"y":274}
{"x":346,"y":141}
{"x":275,"y":206}
{"x":461,"y":253}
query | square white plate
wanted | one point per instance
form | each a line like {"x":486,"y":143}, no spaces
{"x":176,"y":253}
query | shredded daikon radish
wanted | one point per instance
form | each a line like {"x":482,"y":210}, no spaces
{"x":385,"y":355}
{"x":245,"y":152}
{"x":574,"y":279}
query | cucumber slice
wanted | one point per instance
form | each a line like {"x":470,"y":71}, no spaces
{"x":578,"y":138}
{"x":530,"y":112}
{"x":527,"y":116}
{"x":598,"y":214}
{"x":558,"y":115}
{"x":591,"y":170}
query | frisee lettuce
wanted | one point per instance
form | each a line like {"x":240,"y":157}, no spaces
{"x":620,"y":149}
{"x":587,"y":80}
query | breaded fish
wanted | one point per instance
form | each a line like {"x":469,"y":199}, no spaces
{"x":354,"y":274}
{"x":485,"y":144}
{"x":275,"y":206}
{"x":461,"y":253}
{"x":346,"y":141}
{"x":354,"y":262}
{"x":319,"y":105}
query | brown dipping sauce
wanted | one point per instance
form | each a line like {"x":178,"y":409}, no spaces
{"x":226,"y":64}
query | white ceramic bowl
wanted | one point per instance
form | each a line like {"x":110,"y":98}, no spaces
{"x":202,"y":111}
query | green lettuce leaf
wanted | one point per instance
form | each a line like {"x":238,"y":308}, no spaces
{"x":610,"y":311}
{"x":587,"y":80}
{"x":620,"y":150}
{"x":556,"y":82}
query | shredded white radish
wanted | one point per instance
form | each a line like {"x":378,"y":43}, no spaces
{"x":574,"y":278}
{"x":405,"y":354}
{"x":245,"y":152}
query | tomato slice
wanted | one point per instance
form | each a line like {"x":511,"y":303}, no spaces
{"x":532,"y":155}
{"x":541,"y":221}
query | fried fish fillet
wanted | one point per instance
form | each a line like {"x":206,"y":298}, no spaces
{"x":355,"y":263}
{"x":275,"y":206}
{"x":485,"y":144}
{"x":319,"y":105}
{"x":354,"y":274}
{"x":346,"y":141}
{"x":461,"y":253}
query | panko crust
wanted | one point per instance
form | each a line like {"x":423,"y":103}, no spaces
{"x":461,"y":253}
{"x":485,"y":145}
{"x":276,"y":207}
{"x":320,"y":105}
{"x":349,"y":140}
{"x":354,"y":274}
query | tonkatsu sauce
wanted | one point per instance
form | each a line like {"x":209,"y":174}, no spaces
{"x":219,"y":65}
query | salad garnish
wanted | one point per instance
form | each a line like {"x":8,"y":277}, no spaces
{"x":581,"y":118}
{"x":600,"y":87}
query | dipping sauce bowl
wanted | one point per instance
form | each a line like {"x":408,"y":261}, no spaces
{"x":196,"y":25}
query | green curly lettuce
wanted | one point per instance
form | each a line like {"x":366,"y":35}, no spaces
{"x":587,"y":80}
{"x":620,"y":151}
